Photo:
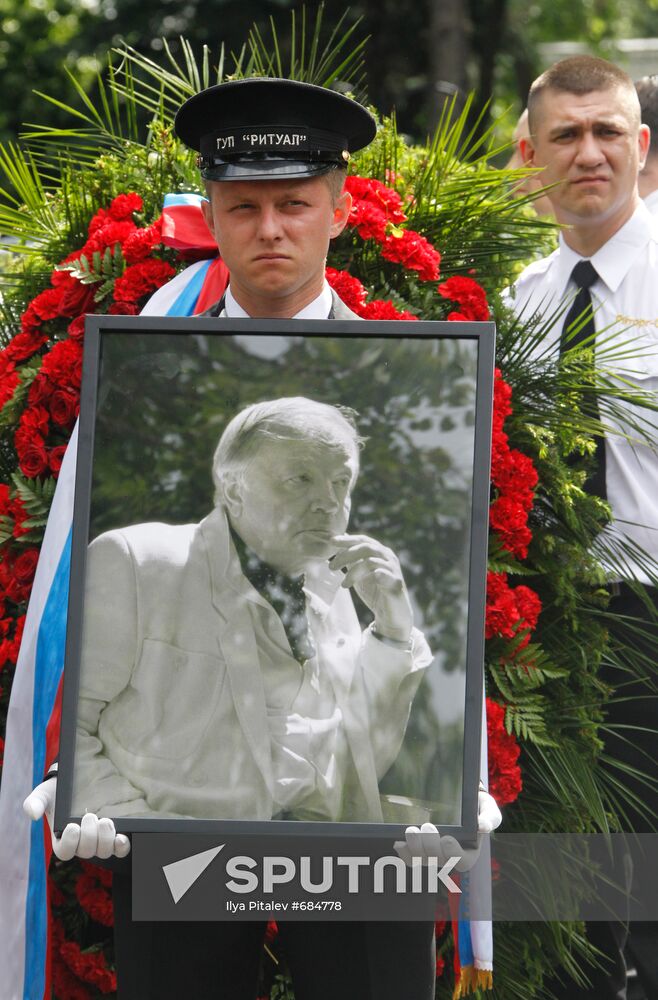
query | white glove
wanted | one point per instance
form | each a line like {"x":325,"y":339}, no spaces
{"x":426,"y":842}
{"x":93,"y":838}
{"x":489,"y":815}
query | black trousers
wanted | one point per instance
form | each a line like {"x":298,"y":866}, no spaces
{"x":639,"y":707}
{"x":221,"y":961}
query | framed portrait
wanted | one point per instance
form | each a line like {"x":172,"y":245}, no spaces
{"x":276,"y":611}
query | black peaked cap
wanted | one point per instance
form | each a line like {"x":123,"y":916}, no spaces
{"x":272,"y":127}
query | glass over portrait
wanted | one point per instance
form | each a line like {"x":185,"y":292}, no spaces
{"x":278,"y":572}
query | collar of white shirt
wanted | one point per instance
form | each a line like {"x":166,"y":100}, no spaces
{"x":651,"y":201}
{"x":615,"y":258}
{"x":319,"y":308}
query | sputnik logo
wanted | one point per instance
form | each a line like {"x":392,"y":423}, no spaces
{"x":181,"y":875}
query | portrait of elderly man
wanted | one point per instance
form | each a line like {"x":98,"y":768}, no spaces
{"x":224,"y":671}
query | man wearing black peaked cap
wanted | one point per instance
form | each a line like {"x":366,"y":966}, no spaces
{"x":273,"y":155}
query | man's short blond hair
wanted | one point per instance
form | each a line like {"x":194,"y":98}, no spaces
{"x":336,"y":181}
{"x":581,"y":75}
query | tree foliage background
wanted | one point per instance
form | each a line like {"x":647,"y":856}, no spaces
{"x":418,"y":53}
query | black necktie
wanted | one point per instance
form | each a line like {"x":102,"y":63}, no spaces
{"x":584,"y":275}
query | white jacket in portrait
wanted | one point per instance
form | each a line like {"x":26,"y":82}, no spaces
{"x":172,"y":715}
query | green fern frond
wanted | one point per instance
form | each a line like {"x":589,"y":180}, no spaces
{"x":35,"y":494}
{"x":6,"y":529}
{"x":11,"y":411}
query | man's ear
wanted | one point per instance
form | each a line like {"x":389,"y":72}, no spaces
{"x":644,"y":142}
{"x":233,"y":498}
{"x":527,"y":151}
{"x":341,"y":214}
{"x":206,"y":208}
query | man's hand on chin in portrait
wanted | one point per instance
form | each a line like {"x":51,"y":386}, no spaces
{"x":374,"y":571}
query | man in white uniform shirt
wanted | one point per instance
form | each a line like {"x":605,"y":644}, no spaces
{"x":586,"y":134}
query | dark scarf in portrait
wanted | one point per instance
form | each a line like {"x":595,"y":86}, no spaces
{"x":285,"y":594}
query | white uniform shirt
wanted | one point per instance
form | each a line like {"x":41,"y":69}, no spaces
{"x":625,"y":300}
{"x":319,"y":308}
{"x":651,"y":201}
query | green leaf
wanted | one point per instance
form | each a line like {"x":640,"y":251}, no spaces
{"x":36,"y":496}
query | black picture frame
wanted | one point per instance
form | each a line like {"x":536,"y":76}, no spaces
{"x":129,"y":361}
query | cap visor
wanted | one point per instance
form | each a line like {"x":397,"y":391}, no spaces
{"x":264,"y":170}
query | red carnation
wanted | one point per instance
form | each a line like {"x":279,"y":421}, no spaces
{"x":509,"y":519}
{"x":348,"y":289}
{"x":369,"y":221}
{"x":90,"y":966}
{"x":369,"y":190}
{"x":25,"y":344}
{"x":46,"y":305}
{"x":500,"y":451}
{"x":63,"y":364}
{"x":8,"y":382}
{"x":502,"y":405}
{"x":514,"y":475}
{"x":123,"y":206}
{"x":139,"y":245}
{"x":103,"y":875}
{"x":502,"y":615}
{"x":65,"y":984}
{"x":94,"y":899}
{"x":141,"y":279}
{"x":470,"y":296}
{"x":504,"y":772}
{"x":101,"y":218}
{"x":414,"y":252}
{"x":510,"y":610}
{"x":529,"y":606}
{"x":33,"y":422}
{"x":108,"y":235}
{"x":384,"y":309}
{"x":124,"y":309}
